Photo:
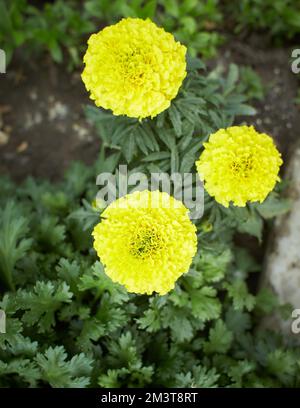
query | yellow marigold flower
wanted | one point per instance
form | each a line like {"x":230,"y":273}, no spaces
{"x":134,"y":68}
{"x":239,"y":164}
{"x":146,"y":241}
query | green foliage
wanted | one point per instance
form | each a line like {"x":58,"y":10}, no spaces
{"x":12,"y":33}
{"x":173,"y":138}
{"x":280,"y":18}
{"x":62,"y":27}
{"x":219,"y":339}
{"x":69,"y":325}
{"x":13,"y":244}
{"x":58,"y":372}
{"x":54,"y":27}
{"x":192,"y":22}
{"x":238,"y":292}
{"x":59,"y":24}
{"x":251,"y":84}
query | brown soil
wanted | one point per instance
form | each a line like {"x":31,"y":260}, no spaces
{"x":43,"y":124}
{"x":277,"y":114}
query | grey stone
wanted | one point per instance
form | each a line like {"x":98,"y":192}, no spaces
{"x":282,"y":266}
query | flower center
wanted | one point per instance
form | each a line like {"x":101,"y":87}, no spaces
{"x":135,"y":66}
{"x":241,"y":167}
{"x":146,"y":243}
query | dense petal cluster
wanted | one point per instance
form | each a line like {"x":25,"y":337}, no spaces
{"x":134,"y":68}
{"x":146,"y":241}
{"x":239,"y":165}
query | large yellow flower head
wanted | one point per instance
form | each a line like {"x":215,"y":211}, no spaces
{"x":239,"y":164}
{"x":146,"y":241}
{"x":134,"y":68}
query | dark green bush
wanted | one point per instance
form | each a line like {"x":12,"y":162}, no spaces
{"x":63,"y":26}
{"x":279,"y":18}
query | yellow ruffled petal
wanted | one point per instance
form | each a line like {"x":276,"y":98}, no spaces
{"x":239,"y":165}
{"x":146,"y":241}
{"x":134,"y":68}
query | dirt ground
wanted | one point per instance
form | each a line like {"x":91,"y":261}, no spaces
{"x":43,"y":124}
{"x":43,"y":128}
{"x":277,"y":114}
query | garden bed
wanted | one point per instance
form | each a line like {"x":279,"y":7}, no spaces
{"x":96,"y":295}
